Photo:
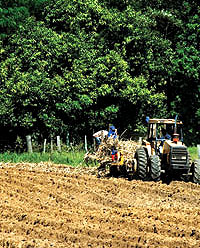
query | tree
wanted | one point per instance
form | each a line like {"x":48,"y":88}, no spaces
{"x":76,"y":66}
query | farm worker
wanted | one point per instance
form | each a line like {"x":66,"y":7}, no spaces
{"x":165,"y":135}
{"x":112,"y":132}
{"x":99,"y":136}
{"x":114,"y":154}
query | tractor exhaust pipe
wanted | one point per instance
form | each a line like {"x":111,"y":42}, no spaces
{"x":175,"y":135}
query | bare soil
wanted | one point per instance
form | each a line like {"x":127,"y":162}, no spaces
{"x":46,"y":205}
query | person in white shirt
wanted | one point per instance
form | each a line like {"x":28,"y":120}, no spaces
{"x":99,"y":136}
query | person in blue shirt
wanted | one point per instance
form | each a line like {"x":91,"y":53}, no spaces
{"x":114,"y":154}
{"x":165,"y":135}
{"x":112,"y":132}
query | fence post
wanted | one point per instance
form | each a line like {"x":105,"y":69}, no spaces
{"x":86,"y":143}
{"x":51,"y":143}
{"x":58,"y":143}
{"x":45,"y":142}
{"x":67,"y":139}
{"x":29,"y":144}
{"x":94,"y":141}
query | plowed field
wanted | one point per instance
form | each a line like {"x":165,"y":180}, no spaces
{"x":46,"y":205}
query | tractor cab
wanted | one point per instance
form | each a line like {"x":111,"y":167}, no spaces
{"x":161,"y":131}
{"x":165,"y":148}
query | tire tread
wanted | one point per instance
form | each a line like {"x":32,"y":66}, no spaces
{"x":196,"y":172}
{"x":155,"y":168}
{"x":141,"y":163}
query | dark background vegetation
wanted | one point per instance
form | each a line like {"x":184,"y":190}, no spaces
{"x":74,"y":66}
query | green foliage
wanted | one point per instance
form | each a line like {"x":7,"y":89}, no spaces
{"x":193,"y":152}
{"x":75,"y":66}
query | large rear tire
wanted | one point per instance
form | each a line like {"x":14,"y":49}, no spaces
{"x":141,"y":157}
{"x":155,"y":168}
{"x":196,"y":171}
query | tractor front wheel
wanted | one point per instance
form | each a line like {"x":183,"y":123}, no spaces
{"x":155,"y":168}
{"x":141,"y":157}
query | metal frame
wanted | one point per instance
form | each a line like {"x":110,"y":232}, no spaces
{"x":156,"y":122}
{"x":165,"y":121}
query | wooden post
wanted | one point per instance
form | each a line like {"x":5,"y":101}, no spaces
{"x":51,"y":143}
{"x":29,"y":144}
{"x":45,"y":142}
{"x":94,"y":141}
{"x":67,"y":139}
{"x":198,"y":150}
{"x":58,"y":143}
{"x":86,"y":143}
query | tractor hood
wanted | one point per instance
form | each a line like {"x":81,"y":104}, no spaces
{"x":169,"y":143}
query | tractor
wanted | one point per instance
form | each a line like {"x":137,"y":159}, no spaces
{"x":163,"y":152}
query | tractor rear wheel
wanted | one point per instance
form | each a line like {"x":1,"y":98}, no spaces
{"x":141,"y":157}
{"x":155,"y":168}
{"x":196,"y":171}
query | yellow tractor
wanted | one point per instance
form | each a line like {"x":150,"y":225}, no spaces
{"x":163,"y":151}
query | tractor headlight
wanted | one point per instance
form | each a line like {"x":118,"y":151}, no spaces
{"x":178,"y":156}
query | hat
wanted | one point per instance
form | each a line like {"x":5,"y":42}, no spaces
{"x":112,"y":127}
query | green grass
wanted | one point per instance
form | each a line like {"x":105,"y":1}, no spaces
{"x":73,"y":158}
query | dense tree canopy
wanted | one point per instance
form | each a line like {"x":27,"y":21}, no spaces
{"x":74,"y":66}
